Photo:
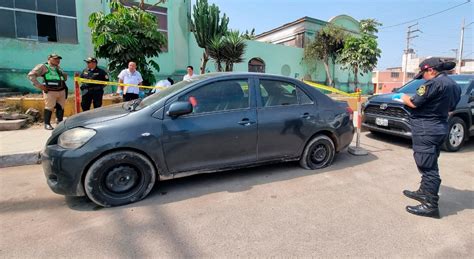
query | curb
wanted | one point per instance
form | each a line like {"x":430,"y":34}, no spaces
{"x":30,"y":158}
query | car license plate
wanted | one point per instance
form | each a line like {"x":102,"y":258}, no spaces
{"x":381,"y":122}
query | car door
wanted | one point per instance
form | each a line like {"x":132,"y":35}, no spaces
{"x":285,"y":118}
{"x":220,"y":132}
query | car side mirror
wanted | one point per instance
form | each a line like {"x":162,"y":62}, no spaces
{"x":179,"y":108}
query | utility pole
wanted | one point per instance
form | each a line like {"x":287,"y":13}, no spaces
{"x":461,"y":46}
{"x":407,"y":50}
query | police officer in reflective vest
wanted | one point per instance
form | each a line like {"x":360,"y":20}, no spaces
{"x":92,"y":93}
{"x":54,"y":87}
{"x":430,"y":106}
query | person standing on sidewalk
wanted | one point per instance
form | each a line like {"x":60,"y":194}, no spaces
{"x":190,"y":73}
{"x":130,"y":76}
{"x":92,"y":93}
{"x":430,"y":106}
{"x":54,"y":87}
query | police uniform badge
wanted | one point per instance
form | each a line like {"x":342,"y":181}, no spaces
{"x":421,"y":90}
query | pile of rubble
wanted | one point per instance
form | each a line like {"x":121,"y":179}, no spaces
{"x":13,"y":120}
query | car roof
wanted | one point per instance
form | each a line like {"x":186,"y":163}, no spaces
{"x":462,"y":77}
{"x":236,"y":74}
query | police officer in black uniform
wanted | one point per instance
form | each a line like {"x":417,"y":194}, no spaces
{"x":92,"y":93}
{"x":430,"y":106}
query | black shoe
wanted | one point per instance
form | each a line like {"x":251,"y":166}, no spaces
{"x":425,"y":210}
{"x":418,"y":195}
{"x":48,"y":127}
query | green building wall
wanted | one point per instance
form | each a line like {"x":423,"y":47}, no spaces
{"x":18,"y":57}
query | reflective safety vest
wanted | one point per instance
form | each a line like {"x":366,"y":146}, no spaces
{"x":54,"y":79}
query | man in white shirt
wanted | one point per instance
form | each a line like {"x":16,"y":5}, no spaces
{"x":190,"y":73}
{"x":130,"y":76}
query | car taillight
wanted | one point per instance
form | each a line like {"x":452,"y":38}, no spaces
{"x":350,"y":112}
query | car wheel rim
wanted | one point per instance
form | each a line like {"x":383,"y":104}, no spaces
{"x":122,"y":179}
{"x":319,"y":154}
{"x":456,"y":135}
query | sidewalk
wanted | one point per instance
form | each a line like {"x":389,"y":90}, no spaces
{"x":22,"y":147}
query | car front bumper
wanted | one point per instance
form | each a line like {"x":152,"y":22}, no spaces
{"x":396,"y":126}
{"x":63,"y":169}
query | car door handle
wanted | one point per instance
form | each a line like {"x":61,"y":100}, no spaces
{"x":246,"y":122}
{"x":305,"y":115}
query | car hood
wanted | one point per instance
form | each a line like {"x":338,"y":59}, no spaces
{"x":385,"y":98}
{"x":103,"y":114}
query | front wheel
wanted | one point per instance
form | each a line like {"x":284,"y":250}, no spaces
{"x":119,"y":178}
{"x":318,"y":153}
{"x":456,"y":135}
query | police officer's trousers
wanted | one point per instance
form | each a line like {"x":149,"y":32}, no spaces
{"x":92,"y":96}
{"x":426,"y":150}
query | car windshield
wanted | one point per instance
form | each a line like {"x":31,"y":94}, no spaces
{"x":169,"y":90}
{"x":412,"y":86}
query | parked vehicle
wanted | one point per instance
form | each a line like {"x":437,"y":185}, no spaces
{"x":210,"y":123}
{"x":381,"y":114}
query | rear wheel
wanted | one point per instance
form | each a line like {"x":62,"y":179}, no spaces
{"x":119,"y":178}
{"x":319,"y":153}
{"x":456,"y":135}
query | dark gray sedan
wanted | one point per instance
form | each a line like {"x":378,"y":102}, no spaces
{"x":213,"y":122}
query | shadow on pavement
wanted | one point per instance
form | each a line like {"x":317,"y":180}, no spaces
{"x":468,"y":146}
{"x":398,"y":141}
{"x":453,"y":200}
{"x":227,"y":181}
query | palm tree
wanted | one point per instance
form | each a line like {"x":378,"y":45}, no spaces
{"x":228,"y":49}
{"x":215,"y":51}
{"x":233,"y":49}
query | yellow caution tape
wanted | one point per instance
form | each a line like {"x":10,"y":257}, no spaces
{"x":90,"y":81}
{"x":319,"y":86}
{"x":331,"y":89}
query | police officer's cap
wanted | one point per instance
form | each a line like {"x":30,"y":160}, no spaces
{"x":90,"y":59}
{"x":54,"y":55}
{"x":436,"y":64}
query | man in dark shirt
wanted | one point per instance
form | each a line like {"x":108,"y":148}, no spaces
{"x":92,"y":93}
{"x":430,"y":106}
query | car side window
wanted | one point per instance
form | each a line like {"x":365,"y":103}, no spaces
{"x":303,"y":97}
{"x":219,"y":96}
{"x":277,"y":93}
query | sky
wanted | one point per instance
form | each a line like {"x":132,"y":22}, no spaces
{"x":440,"y":33}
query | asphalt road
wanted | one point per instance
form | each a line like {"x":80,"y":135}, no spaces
{"x":354,"y":208}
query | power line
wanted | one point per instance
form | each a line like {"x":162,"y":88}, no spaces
{"x":414,"y":20}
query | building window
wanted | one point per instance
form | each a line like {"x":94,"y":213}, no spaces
{"x":39,"y":20}
{"x":161,"y":14}
{"x":394,"y":74}
{"x":410,"y":75}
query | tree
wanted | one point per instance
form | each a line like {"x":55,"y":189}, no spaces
{"x":206,"y":26}
{"x":228,"y":49}
{"x":234,"y":49}
{"x":249,"y":35}
{"x":361,"y":53}
{"x":326,"y":45}
{"x":124,"y":35}
{"x":215,"y":50}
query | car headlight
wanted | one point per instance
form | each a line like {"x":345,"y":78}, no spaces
{"x":75,"y":138}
